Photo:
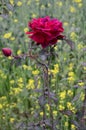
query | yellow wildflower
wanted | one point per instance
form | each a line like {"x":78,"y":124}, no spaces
{"x":65,"y":58}
{"x":13,"y":105}
{"x":12,"y":81}
{"x":61,"y":107}
{"x":20,"y":80}
{"x":82,"y":96}
{"x":55,"y":70}
{"x":28,"y":2}
{"x":12,"y":120}
{"x":19,"y":3}
{"x":69,"y":105}
{"x":4,"y":76}
{"x":71,"y":74}
{"x":80,"y":5}
{"x":71,"y":79}
{"x":16,"y":90}
{"x":80,"y":46}
{"x":66,"y":124}
{"x":20,"y":85}
{"x":10,"y":58}
{"x":84,"y":68}
{"x":56,"y":48}
{"x":15,"y":20}
{"x":12,"y":2}
{"x":81,"y":84}
{"x":73,"y":35}
{"x":26,"y":29}
{"x":3,"y":98}
{"x":41,"y":113}
{"x":35,"y":72}
{"x":11,"y":13}
{"x":34,"y":15}
{"x":55,"y":113}
{"x":19,"y":52}
{"x":72,"y":9}
{"x":7,"y":35}
{"x":1,"y":106}
{"x":27,"y":67}
{"x":30,"y":84}
{"x":60,"y":3}
{"x":12,"y":38}
{"x":77,"y":1}
{"x":70,"y":93}
{"x":56,"y":67}
{"x":65,"y":23}
{"x":73,"y":127}
{"x":62,"y":95}
{"x":70,"y":66}
{"x":49,"y":4}
{"x":42,"y":7}
{"x":3,"y":117}
{"x":47,"y":107}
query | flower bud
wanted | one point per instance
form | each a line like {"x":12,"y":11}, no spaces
{"x":7,"y":51}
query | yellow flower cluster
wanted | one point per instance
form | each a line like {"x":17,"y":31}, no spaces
{"x":82,"y":96}
{"x":71,"y":107}
{"x":60,"y":4}
{"x":55,"y":70}
{"x":71,"y":65}
{"x":61,"y":107}
{"x":55,"y":112}
{"x":71,"y":77}
{"x":80,"y":46}
{"x":47,"y":107}
{"x":26,"y":67}
{"x":35,"y":72}
{"x":15,"y":91}
{"x":73,"y":36}
{"x":30,"y":84}
{"x":77,"y":1}
{"x":70,"y":93}
{"x":62,"y":95}
{"x":81,"y":84}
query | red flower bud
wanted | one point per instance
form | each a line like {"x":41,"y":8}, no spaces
{"x":7,"y":51}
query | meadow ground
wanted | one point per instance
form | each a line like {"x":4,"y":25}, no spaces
{"x":22,"y":81}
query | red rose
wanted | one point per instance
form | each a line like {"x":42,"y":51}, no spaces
{"x":7,"y":51}
{"x":45,"y":31}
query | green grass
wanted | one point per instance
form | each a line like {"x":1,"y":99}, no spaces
{"x":19,"y":78}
